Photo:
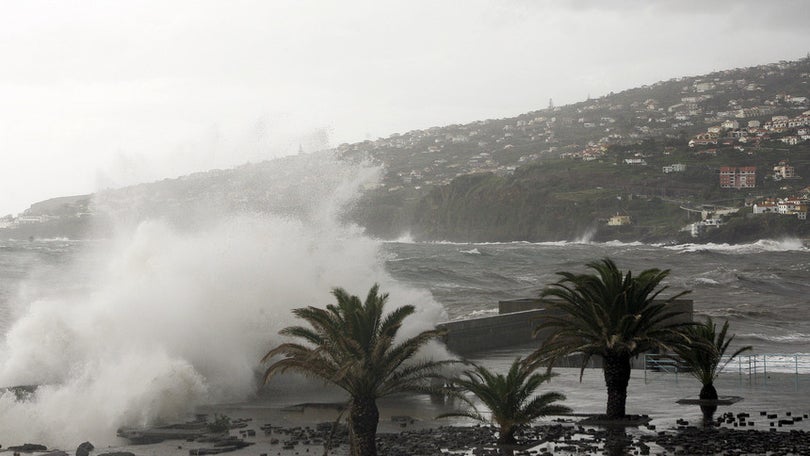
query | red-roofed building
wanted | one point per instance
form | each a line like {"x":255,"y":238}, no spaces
{"x":742,"y":177}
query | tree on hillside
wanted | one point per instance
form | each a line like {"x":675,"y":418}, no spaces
{"x":612,"y":315}
{"x":352,"y":345}
{"x":509,"y":398}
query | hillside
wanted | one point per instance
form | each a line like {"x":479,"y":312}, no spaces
{"x":556,"y":173}
{"x":560,"y":173}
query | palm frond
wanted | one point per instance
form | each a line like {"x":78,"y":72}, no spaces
{"x":704,"y":350}
{"x":352,"y":343}
{"x":510,"y":397}
{"x":607,"y":312}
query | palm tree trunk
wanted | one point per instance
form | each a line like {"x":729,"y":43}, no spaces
{"x":617,"y":375}
{"x":363,"y":419}
{"x":506,"y":435}
{"x":617,"y":442}
{"x":708,"y":392}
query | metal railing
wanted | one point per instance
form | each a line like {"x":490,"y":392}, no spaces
{"x":759,"y":366}
{"x":666,"y":364}
{"x":756,"y":367}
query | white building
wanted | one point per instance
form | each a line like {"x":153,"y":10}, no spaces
{"x":784,"y":171}
{"x":619,"y":220}
{"x":765,"y":207}
{"x":635,"y":161}
{"x":698,"y":228}
{"x":674,"y":168}
{"x":730,"y":124}
{"x":27,"y":219}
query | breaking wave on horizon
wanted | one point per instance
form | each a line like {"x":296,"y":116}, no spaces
{"x":763,"y":245}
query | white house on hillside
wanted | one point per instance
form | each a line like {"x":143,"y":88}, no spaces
{"x":674,"y":168}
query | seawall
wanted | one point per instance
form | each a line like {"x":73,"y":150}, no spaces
{"x":514,"y":325}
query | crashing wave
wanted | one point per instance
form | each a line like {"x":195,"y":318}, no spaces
{"x":763,"y":245}
{"x":172,"y":319}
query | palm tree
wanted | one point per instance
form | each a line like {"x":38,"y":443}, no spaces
{"x":352,"y":345}
{"x":704,"y":354}
{"x":508,"y":398}
{"x":609,"y":314}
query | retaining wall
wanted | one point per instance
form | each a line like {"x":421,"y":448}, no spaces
{"x":513,"y":326}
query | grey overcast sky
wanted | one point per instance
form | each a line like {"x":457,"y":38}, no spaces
{"x":97,"y":94}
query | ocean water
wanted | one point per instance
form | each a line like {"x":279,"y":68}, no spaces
{"x":762,"y":289}
{"x":147,"y":327}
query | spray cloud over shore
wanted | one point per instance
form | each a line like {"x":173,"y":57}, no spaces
{"x":174,"y":319}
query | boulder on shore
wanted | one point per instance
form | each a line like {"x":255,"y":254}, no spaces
{"x":84,"y":449}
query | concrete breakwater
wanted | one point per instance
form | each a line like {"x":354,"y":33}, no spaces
{"x":514,"y":325}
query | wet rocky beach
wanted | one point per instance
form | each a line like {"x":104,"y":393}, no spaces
{"x":771,"y":419}
{"x":563,"y":435}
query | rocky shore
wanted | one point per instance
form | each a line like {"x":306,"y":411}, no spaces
{"x":773,"y":419}
{"x":726,"y":434}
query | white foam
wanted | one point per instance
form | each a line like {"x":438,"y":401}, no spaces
{"x":176,"y":319}
{"x":763,"y":245}
{"x":705,"y":281}
{"x":786,"y":337}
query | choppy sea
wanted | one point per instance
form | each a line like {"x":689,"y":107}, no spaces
{"x":162,"y":321}
{"x":762,"y":289}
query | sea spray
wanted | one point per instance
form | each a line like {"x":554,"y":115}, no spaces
{"x":176,"y":318}
{"x":587,"y":236}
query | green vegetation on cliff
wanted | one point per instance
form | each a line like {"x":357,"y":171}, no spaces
{"x":550,"y":201}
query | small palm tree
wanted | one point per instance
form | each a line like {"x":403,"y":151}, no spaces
{"x":612,"y":315}
{"x":508,"y":398}
{"x":704,"y":354}
{"x":352,"y":345}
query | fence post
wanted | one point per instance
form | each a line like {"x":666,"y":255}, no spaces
{"x":755,"y":370}
{"x":764,"y":369}
{"x":677,"y":368}
{"x":644,"y":360}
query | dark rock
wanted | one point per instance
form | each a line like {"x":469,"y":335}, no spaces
{"x":28,"y":447}
{"x":21,"y":392}
{"x":84,"y":449}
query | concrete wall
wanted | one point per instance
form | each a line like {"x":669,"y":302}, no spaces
{"x":520,"y":305}
{"x":489,"y":333}
{"x":513,"y":326}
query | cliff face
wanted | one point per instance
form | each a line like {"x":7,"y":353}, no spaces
{"x":484,"y":207}
{"x":538,"y":204}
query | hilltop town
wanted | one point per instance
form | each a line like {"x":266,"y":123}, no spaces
{"x":722,"y":156}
